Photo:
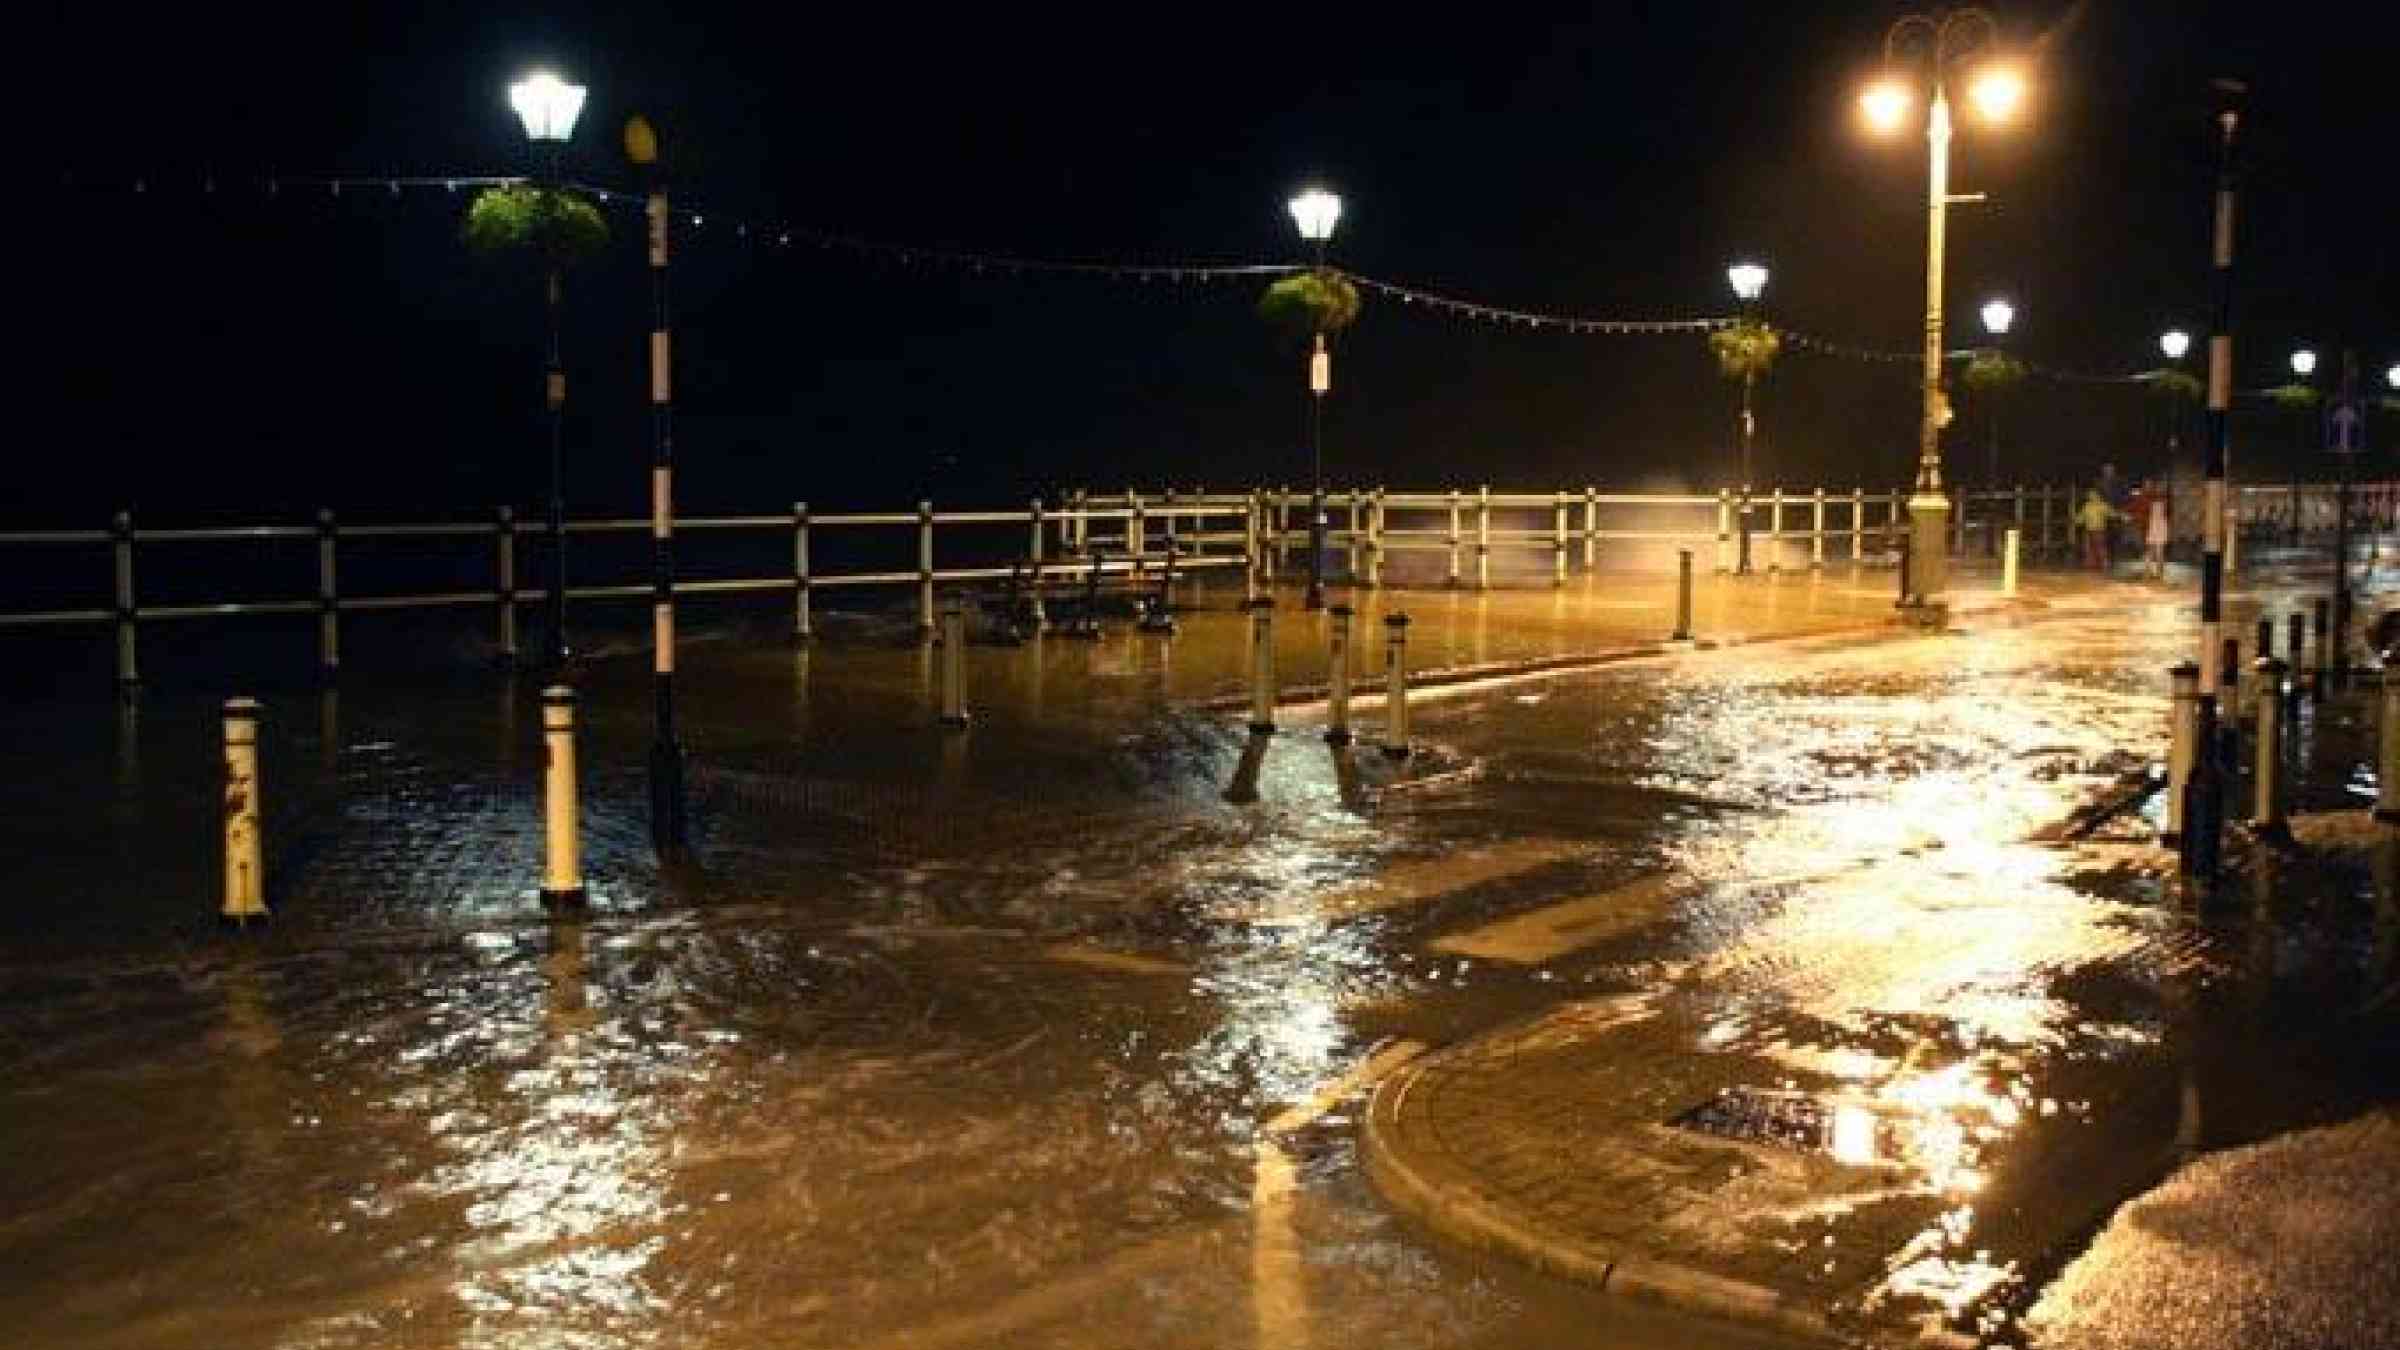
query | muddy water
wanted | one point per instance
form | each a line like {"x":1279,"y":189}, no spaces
{"x":1026,"y":1038}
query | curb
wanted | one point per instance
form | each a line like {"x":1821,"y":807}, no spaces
{"x":1463,"y":1215}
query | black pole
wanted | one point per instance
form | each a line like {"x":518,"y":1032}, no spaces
{"x":2204,"y":799}
{"x":2347,"y":449}
{"x":1316,"y":453}
{"x":554,"y":397}
{"x":1742,"y":517}
{"x":668,"y":830}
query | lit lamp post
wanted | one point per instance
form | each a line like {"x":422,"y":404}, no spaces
{"x":1749,"y":282}
{"x":1938,"y":44}
{"x":1998,"y":315}
{"x":548,"y":106}
{"x":2172,"y":344}
{"x":1315,"y":211}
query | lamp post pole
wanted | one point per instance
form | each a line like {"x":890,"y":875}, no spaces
{"x":1749,"y":281}
{"x":668,"y":829}
{"x":2204,"y":811}
{"x":548,"y":106}
{"x":1315,"y":211}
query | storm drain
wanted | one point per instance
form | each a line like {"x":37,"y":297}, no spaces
{"x":1793,"y":1120}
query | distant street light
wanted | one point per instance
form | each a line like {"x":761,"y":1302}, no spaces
{"x":1936,"y":44}
{"x":2304,"y":363}
{"x":548,"y":106}
{"x":1749,"y":282}
{"x":1316,"y":211}
{"x":2392,"y":376}
{"x":1998,"y":315}
{"x":2174,"y":343}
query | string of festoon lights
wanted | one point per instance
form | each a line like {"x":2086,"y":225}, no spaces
{"x":783,"y":236}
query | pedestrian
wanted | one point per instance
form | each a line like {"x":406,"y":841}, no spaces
{"x":2094,"y":517}
{"x":2155,"y":535}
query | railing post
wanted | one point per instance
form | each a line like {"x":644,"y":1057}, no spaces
{"x":1683,"y":596}
{"x":2296,"y":642}
{"x":245,"y":865}
{"x":562,"y":855}
{"x":329,"y":624}
{"x":504,"y":575}
{"x":1454,"y":538}
{"x":802,"y":624}
{"x":1591,"y":526}
{"x":1724,"y":531}
{"x":2266,"y":814}
{"x":1895,"y":524}
{"x":1375,"y":539}
{"x":1337,"y":674}
{"x":1395,"y":685}
{"x":1170,"y":515}
{"x":1137,"y":529}
{"x":1283,"y":525}
{"x":1858,"y":524}
{"x":925,"y":569}
{"x":1034,"y":612}
{"x":2182,"y":746}
{"x":129,"y":673}
{"x":2047,"y":550}
{"x":1262,"y":666}
{"x":2008,"y":564}
{"x":1351,"y":536}
{"x":2017,"y":509}
{"x":1775,"y":531}
{"x":1961,"y":501}
{"x":1483,"y":537}
{"x":1261,"y":569}
{"x":1558,"y":539}
{"x":1816,"y":530}
{"x":954,"y":663}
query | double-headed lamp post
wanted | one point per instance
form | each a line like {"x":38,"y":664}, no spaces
{"x":1749,"y":282}
{"x":1315,"y":211}
{"x":1936,"y":45}
{"x":1998,"y":317}
{"x":548,"y":106}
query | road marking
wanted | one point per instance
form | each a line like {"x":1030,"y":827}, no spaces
{"x":1554,"y":930}
{"x":1332,"y":1092}
{"x":1122,"y":963}
{"x":1412,"y":883}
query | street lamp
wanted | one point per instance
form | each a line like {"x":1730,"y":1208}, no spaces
{"x":548,"y":107}
{"x":2392,"y":376}
{"x":2304,"y":363}
{"x":1998,"y":315}
{"x":2174,"y":343}
{"x":1749,"y":282}
{"x":1934,"y":45}
{"x":1315,"y":211}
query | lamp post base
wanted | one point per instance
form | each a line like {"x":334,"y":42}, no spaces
{"x":1928,"y":550}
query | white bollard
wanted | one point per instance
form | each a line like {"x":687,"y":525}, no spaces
{"x":1337,"y":697}
{"x":1262,"y":666}
{"x":562,"y":856}
{"x":245,"y":867}
{"x":2266,"y":817}
{"x":954,"y":664}
{"x":1395,"y":685}
{"x":2183,"y":743}
{"x":2008,"y":563}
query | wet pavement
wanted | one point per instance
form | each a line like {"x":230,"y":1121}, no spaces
{"x":1027,"y":1036}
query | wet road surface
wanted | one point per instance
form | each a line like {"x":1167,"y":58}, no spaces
{"x":1029,"y":1037}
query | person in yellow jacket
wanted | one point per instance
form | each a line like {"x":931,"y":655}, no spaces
{"x":2093,"y":517}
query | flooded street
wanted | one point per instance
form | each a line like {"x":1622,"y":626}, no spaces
{"x":1029,"y":1036}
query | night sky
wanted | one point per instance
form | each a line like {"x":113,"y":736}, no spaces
{"x":231,"y":353}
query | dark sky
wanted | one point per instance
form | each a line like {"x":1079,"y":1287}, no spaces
{"x":232,"y":352}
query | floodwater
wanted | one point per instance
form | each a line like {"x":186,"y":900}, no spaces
{"x":1028,"y":1036}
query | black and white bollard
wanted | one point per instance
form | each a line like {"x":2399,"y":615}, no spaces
{"x":1337,"y":678}
{"x":1683,"y":596}
{"x":1395,"y":685}
{"x":2266,"y":815}
{"x":1262,"y":666}
{"x":954,"y":664}
{"x":2387,"y":742}
{"x":245,"y":867}
{"x":562,"y":853}
{"x":2181,"y":746}
{"x":2008,"y":559}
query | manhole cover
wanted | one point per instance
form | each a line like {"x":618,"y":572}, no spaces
{"x":1792,"y":1120}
